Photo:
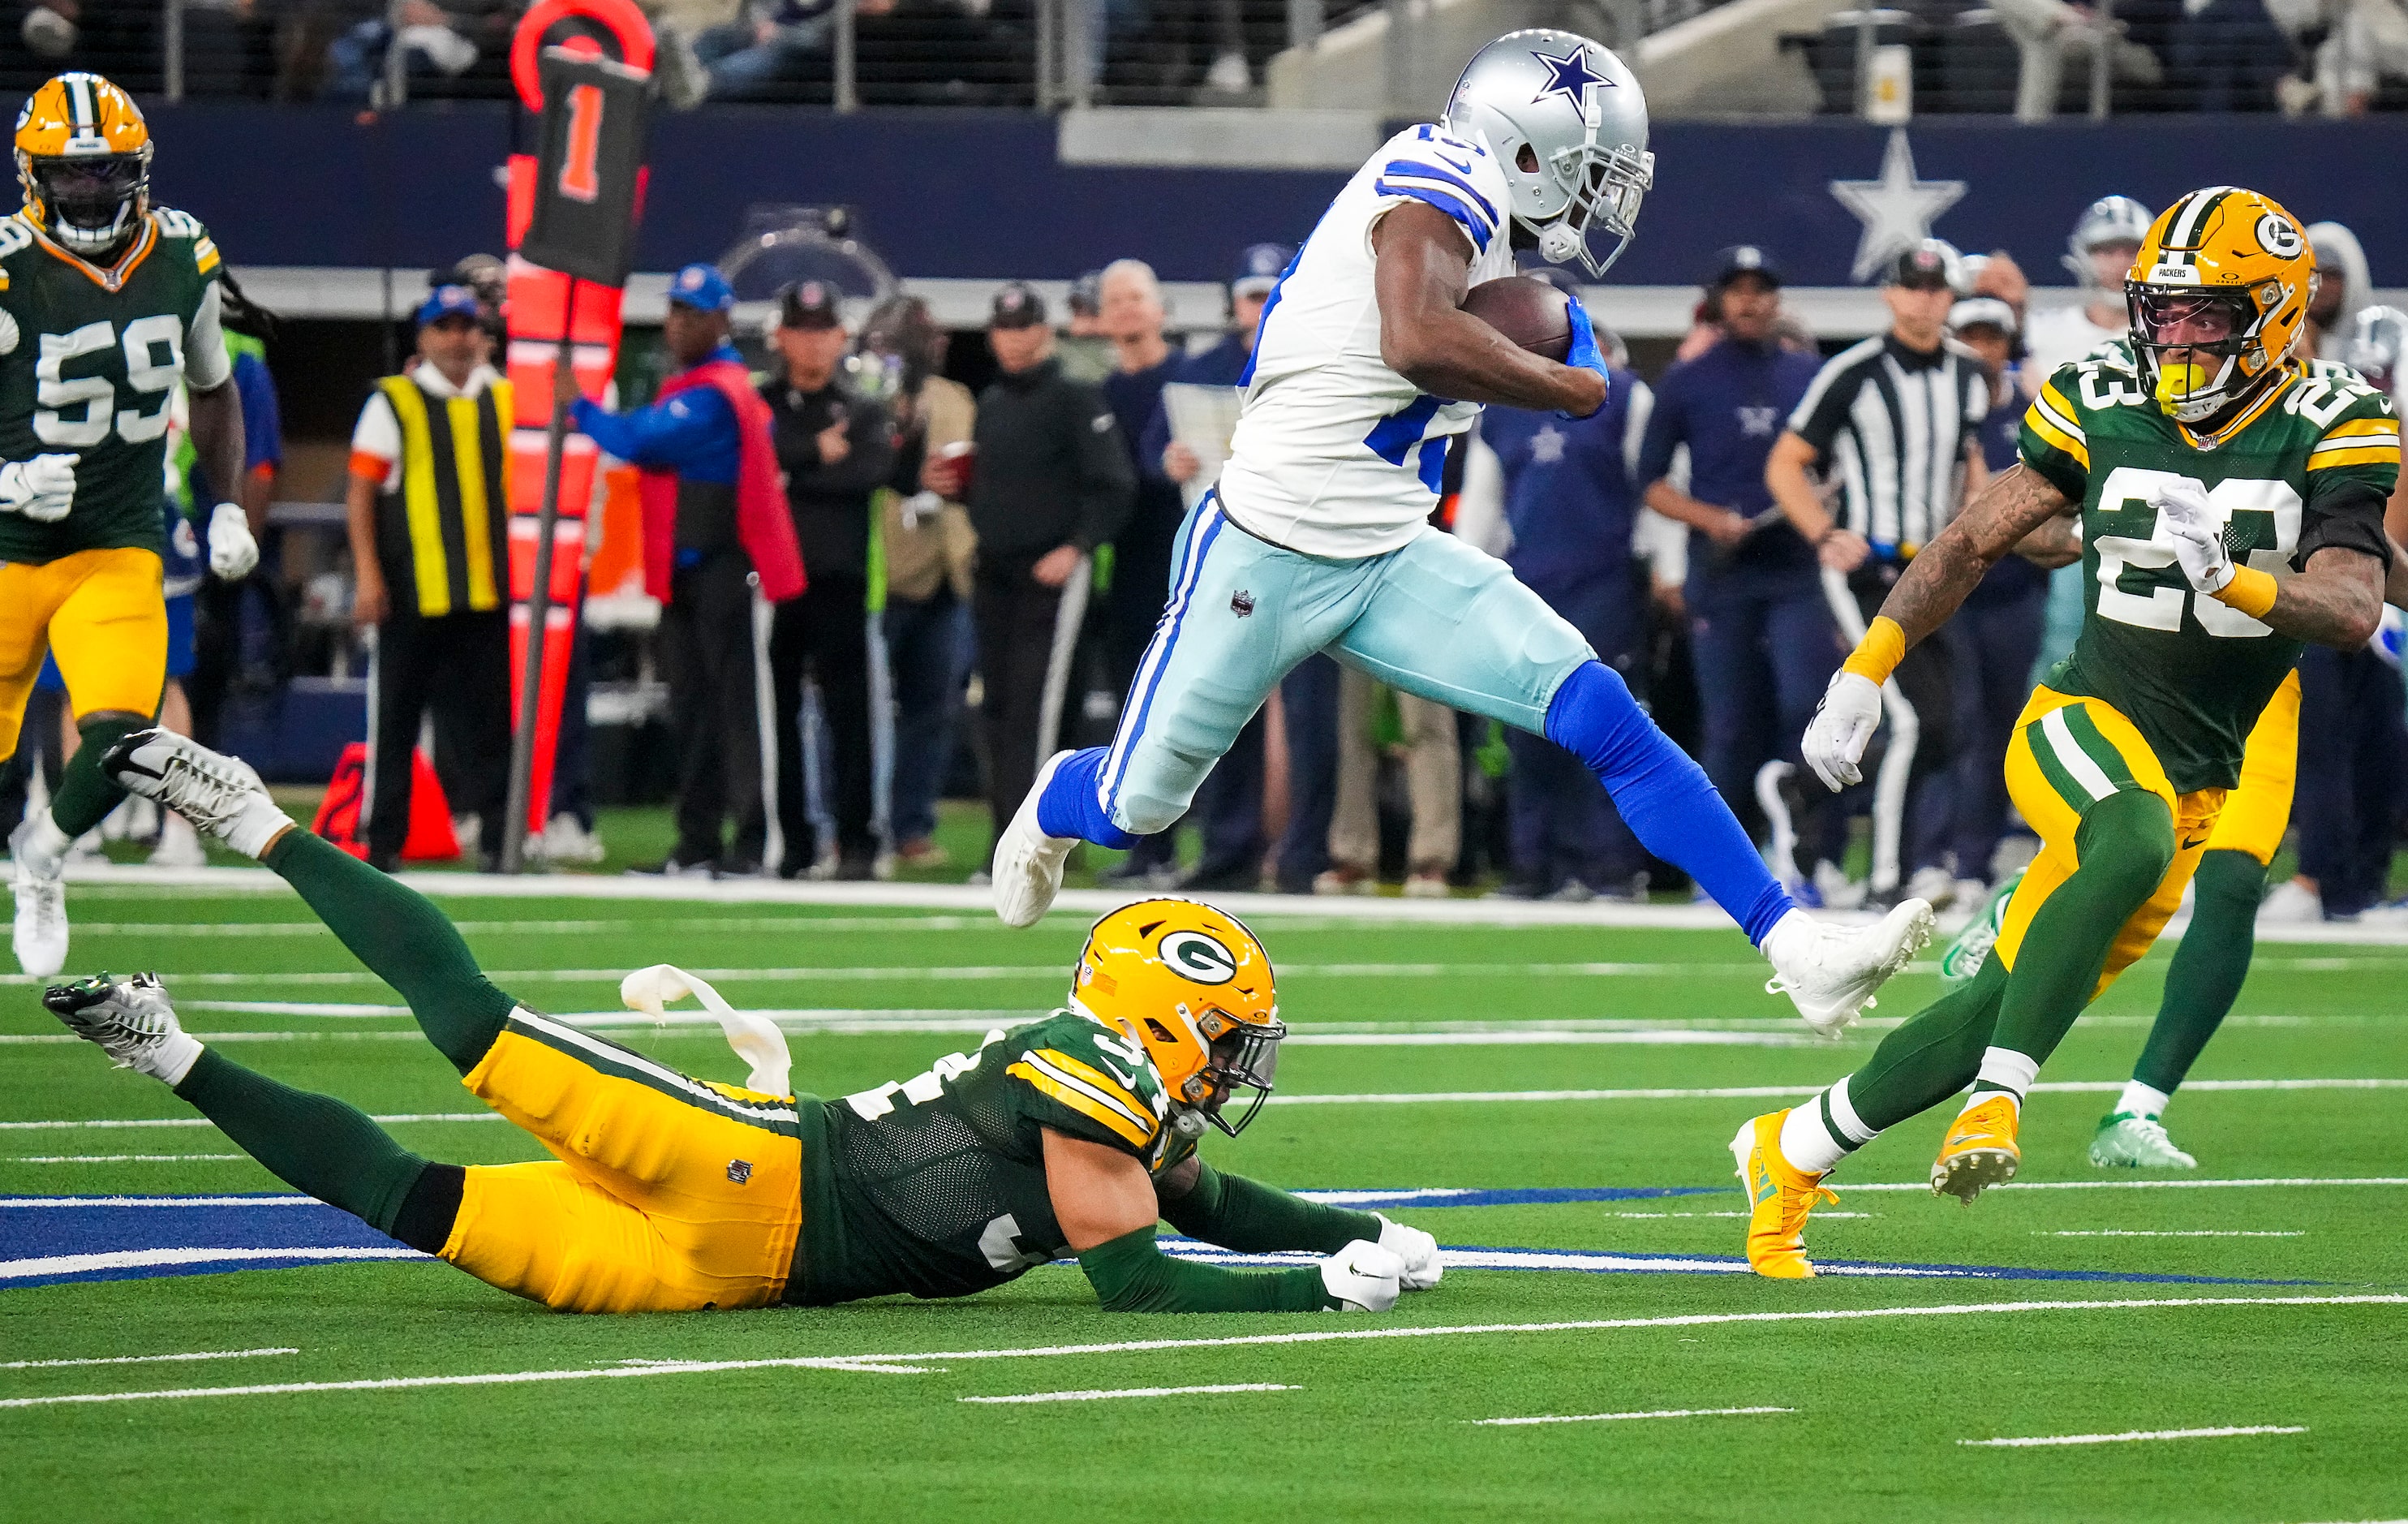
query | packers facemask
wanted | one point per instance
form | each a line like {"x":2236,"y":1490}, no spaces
{"x":84,"y":159}
{"x":2217,"y":296}
{"x":1193,"y":987}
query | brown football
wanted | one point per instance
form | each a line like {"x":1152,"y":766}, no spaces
{"x":1525,"y":310}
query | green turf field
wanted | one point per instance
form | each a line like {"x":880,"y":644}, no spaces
{"x":1880,"y":1380}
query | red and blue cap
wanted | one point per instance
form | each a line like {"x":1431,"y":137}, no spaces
{"x":448,"y":302}
{"x":703,"y":288}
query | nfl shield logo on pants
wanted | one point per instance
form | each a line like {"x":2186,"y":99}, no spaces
{"x":739,"y":1170}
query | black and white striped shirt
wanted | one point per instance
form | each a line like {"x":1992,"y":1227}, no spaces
{"x":1890,"y":425}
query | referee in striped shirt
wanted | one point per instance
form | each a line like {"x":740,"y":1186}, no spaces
{"x":1892,"y":427}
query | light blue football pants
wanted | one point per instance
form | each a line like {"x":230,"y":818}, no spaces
{"x":1435,"y":618}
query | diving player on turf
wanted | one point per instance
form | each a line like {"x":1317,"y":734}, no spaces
{"x":673,"y":1194}
{"x":105,"y":302}
{"x":1318,"y":536}
{"x":2232,"y":509}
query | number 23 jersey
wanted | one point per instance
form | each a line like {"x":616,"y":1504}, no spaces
{"x":936,"y":1184}
{"x":2310,"y":468}
{"x":88,"y":362}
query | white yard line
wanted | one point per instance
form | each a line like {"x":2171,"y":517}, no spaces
{"x":2137,"y":1434}
{"x":1312,"y":1336}
{"x":1136,"y":1392}
{"x":121,"y":1159}
{"x":682,"y":924}
{"x":2143,"y":1184}
{"x":78,"y":1264}
{"x":2146,"y":1232}
{"x":1617,"y":1417}
{"x":156,"y":1200}
{"x":1051,"y":972}
{"x":116,"y":1122}
{"x":145,"y":1359}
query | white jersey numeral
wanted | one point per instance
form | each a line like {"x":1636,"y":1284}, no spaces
{"x":79,"y":412}
{"x":2131,"y":489}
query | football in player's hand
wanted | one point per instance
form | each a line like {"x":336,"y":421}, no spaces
{"x":1525,"y":310}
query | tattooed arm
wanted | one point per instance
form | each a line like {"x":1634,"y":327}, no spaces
{"x":2058,"y":542}
{"x":2015,"y":503}
{"x":2336,"y":601}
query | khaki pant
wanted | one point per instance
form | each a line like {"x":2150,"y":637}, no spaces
{"x":1433,"y":780}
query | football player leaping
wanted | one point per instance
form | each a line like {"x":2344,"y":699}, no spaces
{"x":673,"y":1194}
{"x":105,"y":302}
{"x":1318,"y":536}
{"x":2231,"y":506}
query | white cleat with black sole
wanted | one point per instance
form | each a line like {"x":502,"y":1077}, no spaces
{"x":219,"y":794}
{"x":130,"y":1020}
{"x":1830,"y":972}
{"x":1027,"y":862}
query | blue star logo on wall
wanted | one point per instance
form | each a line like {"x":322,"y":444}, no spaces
{"x":1569,"y":76}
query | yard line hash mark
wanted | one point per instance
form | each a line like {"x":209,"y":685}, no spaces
{"x":2137,"y":1434}
{"x":1101,"y":1395}
{"x":1315,"y":1336}
{"x":1616,"y":1418}
{"x":2172,"y":1232}
{"x":145,"y":1359}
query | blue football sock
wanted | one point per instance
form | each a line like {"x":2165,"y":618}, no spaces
{"x":1072,"y":805}
{"x":1663,"y":797}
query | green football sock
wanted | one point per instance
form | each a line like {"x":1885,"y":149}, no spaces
{"x":314,"y":1143}
{"x":2124,"y":845}
{"x":1932,"y":1057}
{"x":85,"y":794}
{"x":2208,"y":969}
{"x":403,"y":939}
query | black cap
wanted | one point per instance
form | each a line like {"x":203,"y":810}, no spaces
{"x":811,"y":304}
{"x":1743,"y":259}
{"x":1087,"y":294}
{"x":1016,"y":305}
{"x":1930,"y":265}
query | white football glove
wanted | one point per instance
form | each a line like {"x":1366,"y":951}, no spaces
{"x":1844,"y":722}
{"x":2186,"y":519}
{"x":232,"y":550}
{"x":1417,"y":1250}
{"x":42,"y":489}
{"x":1364,"y":1277}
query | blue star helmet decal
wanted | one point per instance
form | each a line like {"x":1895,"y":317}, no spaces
{"x":1569,"y":76}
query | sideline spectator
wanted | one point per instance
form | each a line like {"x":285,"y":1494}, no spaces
{"x":1130,"y":315}
{"x":714,"y":525}
{"x":837,"y":448}
{"x":2000,"y":620}
{"x":1573,"y":508}
{"x":763,"y":49}
{"x":1893,"y":423}
{"x":1052,"y":483}
{"x":1082,"y":349}
{"x":428,"y":509}
{"x":929,"y":551}
{"x":431,"y":42}
{"x":1432,"y":752}
{"x":1761,"y":633}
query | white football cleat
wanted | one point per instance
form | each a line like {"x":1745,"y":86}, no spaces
{"x":1027,"y":862}
{"x":130,"y":1020}
{"x":1830,"y":972}
{"x":221,"y":796}
{"x":41,"y":936}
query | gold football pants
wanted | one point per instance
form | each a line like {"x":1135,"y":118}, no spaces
{"x":104,"y":613}
{"x":670,"y":1194}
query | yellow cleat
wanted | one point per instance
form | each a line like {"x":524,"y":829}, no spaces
{"x":1780,"y":1196}
{"x":1980,"y":1152}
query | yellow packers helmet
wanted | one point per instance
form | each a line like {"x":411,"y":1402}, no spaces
{"x":2222,"y":285}
{"x":83,"y":157}
{"x":1193,"y":987}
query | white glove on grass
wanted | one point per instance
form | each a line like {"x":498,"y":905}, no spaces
{"x":232,"y":550}
{"x":1844,"y":722}
{"x":42,"y":489}
{"x":1415,"y":1250}
{"x":1363,"y":1277}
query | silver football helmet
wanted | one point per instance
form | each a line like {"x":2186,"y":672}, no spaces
{"x":2111,"y":218}
{"x":1567,"y":123}
{"x":2378,"y":344}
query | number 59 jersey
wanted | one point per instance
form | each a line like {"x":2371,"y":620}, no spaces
{"x":2309,"y":467}
{"x":1334,"y":454}
{"x":936,"y":1184}
{"x":88,"y":363}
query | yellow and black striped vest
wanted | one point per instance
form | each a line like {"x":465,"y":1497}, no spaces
{"x":443,"y":536}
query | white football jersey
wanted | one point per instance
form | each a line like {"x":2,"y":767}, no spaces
{"x":1336,"y":455}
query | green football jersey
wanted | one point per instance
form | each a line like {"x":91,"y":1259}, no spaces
{"x":2312,"y":467}
{"x":936,"y":1184}
{"x":88,"y":363}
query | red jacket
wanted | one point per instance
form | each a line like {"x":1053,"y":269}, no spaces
{"x":763,"y":526}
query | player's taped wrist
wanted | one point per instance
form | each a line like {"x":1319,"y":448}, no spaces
{"x":2251,"y":591}
{"x":1131,"y":1275}
{"x":1879,"y":653}
{"x":1251,"y":1217}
